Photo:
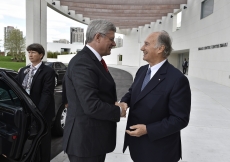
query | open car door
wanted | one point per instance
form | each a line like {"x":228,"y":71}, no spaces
{"x":21,"y":123}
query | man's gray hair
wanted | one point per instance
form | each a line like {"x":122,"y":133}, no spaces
{"x":165,"y":40}
{"x":98,"y":26}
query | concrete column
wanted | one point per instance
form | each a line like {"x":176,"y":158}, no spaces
{"x":36,"y":24}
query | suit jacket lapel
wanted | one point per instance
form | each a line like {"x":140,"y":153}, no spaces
{"x":153,"y":83}
{"x":98,"y":63}
{"x":137,"y":87}
{"x":102,"y":69}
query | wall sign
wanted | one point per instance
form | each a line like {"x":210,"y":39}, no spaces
{"x":213,"y":46}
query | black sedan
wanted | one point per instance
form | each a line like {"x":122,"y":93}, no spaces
{"x":11,"y":72}
{"x":21,"y":123}
{"x":60,"y":70}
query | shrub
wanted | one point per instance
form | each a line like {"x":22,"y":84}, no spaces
{"x":49,"y":54}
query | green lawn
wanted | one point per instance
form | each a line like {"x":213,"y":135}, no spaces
{"x":5,"y":62}
{"x":5,"y":58}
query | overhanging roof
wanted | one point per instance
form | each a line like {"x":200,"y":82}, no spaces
{"x":123,"y":13}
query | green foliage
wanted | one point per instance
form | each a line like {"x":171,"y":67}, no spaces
{"x":9,"y":54}
{"x":15,"y":43}
{"x":51,"y":54}
{"x":57,"y":53}
{"x":64,"y":53}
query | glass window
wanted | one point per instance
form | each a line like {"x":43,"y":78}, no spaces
{"x":57,"y":66}
{"x":7,"y":96}
{"x":177,"y":17}
{"x":48,"y":64}
{"x":178,"y":20}
{"x":206,"y":8}
{"x":62,"y":66}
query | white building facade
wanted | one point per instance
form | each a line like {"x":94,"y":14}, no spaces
{"x":210,"y":33}
{"x":202,"y":38}
{"x":60,"y":47}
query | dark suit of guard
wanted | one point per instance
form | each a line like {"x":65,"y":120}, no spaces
{"x":164,"y":107}
{"x":42,"y":94}
{"x":185,"y":66}
{"x":90,"y":128}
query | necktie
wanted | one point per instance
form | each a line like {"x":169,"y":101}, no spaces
{"x":147,"y":79}
{"x":26,"y":84}
{"x":104,"y":64}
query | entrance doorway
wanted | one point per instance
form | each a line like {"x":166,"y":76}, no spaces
{"x":181,"y":58}
{"x":119,"y":59}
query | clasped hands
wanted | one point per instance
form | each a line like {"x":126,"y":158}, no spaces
{"x":135,"y":130}
{"x":123,"y":107}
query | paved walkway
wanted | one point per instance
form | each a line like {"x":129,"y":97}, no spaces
{"x":205,"y":139}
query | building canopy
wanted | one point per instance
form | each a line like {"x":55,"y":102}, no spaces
{"x":125,"y":14}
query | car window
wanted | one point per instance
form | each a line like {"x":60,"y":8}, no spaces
{"x":13,"y":74}
{"x":57,"y":66}
{"x":48,"y":64}
{"x":7,"y":96}
{"x":62,"y":66}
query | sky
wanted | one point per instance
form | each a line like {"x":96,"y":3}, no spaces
{"x":13,"y":13}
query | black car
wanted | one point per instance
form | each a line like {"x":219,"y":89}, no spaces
{"x":21,"y":123}
{"x":10,"y":71}
{"x":60,"y":70}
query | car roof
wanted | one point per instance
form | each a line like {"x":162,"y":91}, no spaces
{"x":48,"y":62}
{"x":12,"y":72}
{"x":1,"y":69}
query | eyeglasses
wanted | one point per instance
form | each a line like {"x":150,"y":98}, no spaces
{"x":111,"y":39}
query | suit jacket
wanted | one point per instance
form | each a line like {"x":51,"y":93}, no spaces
{"x":90,"y":128}
{"x":64,"y":97}
{"x":164,"y":107}
{"x":185,"y":64}
{"x":42,"y":90}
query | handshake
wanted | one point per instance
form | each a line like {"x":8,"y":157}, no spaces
{"x":123,"y":107}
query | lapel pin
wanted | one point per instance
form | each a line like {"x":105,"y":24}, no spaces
{"x":159,"y":79}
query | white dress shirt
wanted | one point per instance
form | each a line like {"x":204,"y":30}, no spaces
{"x":95,"y":53}
{"x":37,"y":66}
{"x":155,"y":68}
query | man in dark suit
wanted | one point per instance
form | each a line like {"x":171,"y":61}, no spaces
{"x":185,"y":66}
{"x":92,"y":116}
{"x":38,"y":80}
{"x":159,"y":101}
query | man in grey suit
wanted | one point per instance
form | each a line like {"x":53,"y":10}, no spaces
{"x":90,"y":130}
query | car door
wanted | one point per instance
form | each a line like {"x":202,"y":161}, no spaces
{"x":21,"y":123}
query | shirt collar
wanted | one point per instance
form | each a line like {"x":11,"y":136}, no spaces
{"x":95,"y":52}
{"x":37,"y":66}
{"x":157,"y":66}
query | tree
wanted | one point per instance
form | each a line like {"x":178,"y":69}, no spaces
{"x":15,"y":43}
